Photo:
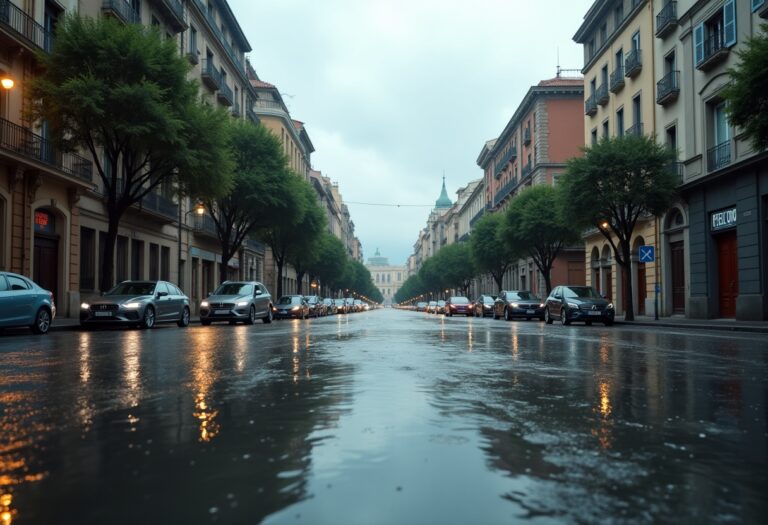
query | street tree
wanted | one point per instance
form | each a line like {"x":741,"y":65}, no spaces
{"x":536,"y":224}
{"x":331,"y":261}
{"x":616,"y":182}
{"x":457,"y":266}
{"x":746,"y":94}
{"x":120,"y":91}
{"x":304,"y":250}
{"x":259,"y":190}
{"x":411,"y":289}
{"x":491,"y":253}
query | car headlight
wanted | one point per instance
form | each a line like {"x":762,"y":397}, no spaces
{"x":295,"y":308}
{"x":514,"y":305}
{"x":242,"y":303}
{"x":542,"y":305}
{"x":204,"y":304}
{"x":487,"y":306}
{"x":85,"y":306}
{"x":573,"y":305}
{"x":131,"y":306}
{"x":609,"y":307}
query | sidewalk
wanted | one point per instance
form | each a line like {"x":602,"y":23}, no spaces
{"x":758,"y":327}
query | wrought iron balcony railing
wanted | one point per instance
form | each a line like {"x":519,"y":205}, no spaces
{"x":210,"y":75}
{"x":527,"y":135}
{"x":526,"y":171}
{"x":678,"y":169}
{"x":24,"y":26}
{"x":668,"y":88}
{"x":714,"y":51}
{"x":225,"y":94}
{"x":719,"y":156}
{"x":121,"y":10}
{"x":504,"y":191}
{"x":635,"y":129}
{"x":236,"y":58}
{"x":601,"y":95}
{"x":505,"y":159}
{"x":616,"y":81}
{"x":590,"y":106}
{"x":633,"y":63}
{"x":157,"y":203}
{"x":666,"y":20}
{"x":22,"y":141}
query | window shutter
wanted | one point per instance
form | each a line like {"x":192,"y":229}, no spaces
{"x":756,"y":4}
{"x":729,"y":23}
{"x":698,"y":44}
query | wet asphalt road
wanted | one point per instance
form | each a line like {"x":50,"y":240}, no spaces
{"x":384,"y":417}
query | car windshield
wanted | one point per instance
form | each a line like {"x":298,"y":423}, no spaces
{"x":234,"y":289}
{"x":459,"y":300}
{"x":440,"y":303}
{"x":288,"y":299}
{"x":133,"y":289}
{"x":421,"y":304}
{"x":582,"y":292}
{"x":523,"y":296}
{"x":312,"y":299}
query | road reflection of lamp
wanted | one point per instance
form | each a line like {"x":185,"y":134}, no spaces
{"x":6,"y":512}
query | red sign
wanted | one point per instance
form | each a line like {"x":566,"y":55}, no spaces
{"x":44,"y":222}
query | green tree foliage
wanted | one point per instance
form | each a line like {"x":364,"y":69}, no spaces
{"x":260,"y":190}
{"x":747,"y":95}
{"x":121,"y":92}
{"x":457,"y":266}
{"x":304,"y":251}
{"x":357,"y":280}
{"x":331,"y":261}
{"x":616,"y":182}
{"x":536,"y":225}
{"x":411,"y":289}
{"x":491,"y":253}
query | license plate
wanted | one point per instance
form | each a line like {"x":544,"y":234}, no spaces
{"x":530,"y":312}
{"x":283,"y":312}
{"x":595,"y":313}
{"x":102,"y":314}
{"x":221,"y":312}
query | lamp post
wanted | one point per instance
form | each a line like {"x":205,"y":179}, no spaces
{"x":7,"y":84}
{"x":199,"y":210}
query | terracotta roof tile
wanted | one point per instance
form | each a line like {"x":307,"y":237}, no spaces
{"x":562,"y":81}
{"x":261,"y":84}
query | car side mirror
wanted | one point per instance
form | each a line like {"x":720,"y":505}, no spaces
{"x":162,"y":294}
{"x":257,"y":292}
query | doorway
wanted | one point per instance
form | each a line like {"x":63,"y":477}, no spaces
{"x":46,"y":267}
{"x":677,"y":256}
{"x":728,"y":272}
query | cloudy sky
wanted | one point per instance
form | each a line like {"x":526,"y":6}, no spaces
{"x":394,"y":93}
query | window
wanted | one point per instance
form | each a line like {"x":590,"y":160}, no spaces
{"x":3,"y":284}
{"x":121,"y":259}
{"x":154,"y":257}
{"x":620,"y":122}
{"x":102,"y":255}
{"x":87,"y":258}
{"x":594,"y":136}
{"x":715,"y":33}
{"x":592,"y":86}
{"x":137,"y":259}
{"x":17,"y":283}
{"x":605,"y":128}
{"x":604,"y":75}
{"x":591,"y":49}
{"x":722,"y":132}
{"x":165,"y":263}
{"x":672,"y":137}
{"x":670,"y":62}
{"x":192,"y":40}
{"x":618,"y":14}
{"x":757,"y":4}
{"x":636,"y":41}
{"x":603,"y":34}
{"x":637,"y":117}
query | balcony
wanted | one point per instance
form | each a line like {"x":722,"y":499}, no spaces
{"x":205,"y":225}
{"x":527,"y":136}
{"x":714,"y":52}
{"x":668,"y":88}
{"x":210,"y":75}
{"x":762,"y":11}
{"x":590,"y":106}
{"x":635,"y":129}
{"x":719,"y":156}
{"x":616,"y":82}
{"x":526,"y":171}
{"x":30,"y":146}
{"x":254,"y":245}
{"x":173,"y":12}
{"x":250,"y":115}
{"x":193,"y":56}
{"x":121,"y":10}
{"x":678,"y":169}
{"x":236,"y":109}
{"x":504,"y":192}
{"x":633,"y":63}
{"x":23,"y":28}
{"x":602,"y":94}
{"x":476,"y":217}
{"x":666,"y":20}
{"x":237,"y":59}
{"x":224,"y":94}
{"x":160,"y":206}
{"x":504,"y":161}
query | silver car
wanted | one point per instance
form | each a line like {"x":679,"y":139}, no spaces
{"x":24,"y":303}
{"x":140,"y":303}
{"x":237,"y":302}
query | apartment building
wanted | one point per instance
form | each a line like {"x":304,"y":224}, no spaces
{"x":619,"y":87}
{"x":542,"y":134}
{"x":714,"y":238}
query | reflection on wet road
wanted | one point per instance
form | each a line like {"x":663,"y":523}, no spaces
{"x":384,"y":417}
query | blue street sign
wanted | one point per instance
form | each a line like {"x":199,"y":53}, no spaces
{"x":647,"y":254}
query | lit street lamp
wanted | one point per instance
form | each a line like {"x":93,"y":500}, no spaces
{"x":199,"y":210}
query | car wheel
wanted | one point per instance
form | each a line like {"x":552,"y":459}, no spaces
{"x":547,"y":317}
{"x":507,"y":317}
{"x":42,"y":321}
{"x":268,"y":318}
{"x":148,"y":321}
{"x":564,"y":317}
{"x":184,"y":321}
{"x":251,"y":315}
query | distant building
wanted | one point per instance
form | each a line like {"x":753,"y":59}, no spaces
{"x":388,"y":279}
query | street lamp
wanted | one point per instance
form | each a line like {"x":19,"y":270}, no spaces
{"x":7,"y":82}
{"x":198,"y":210}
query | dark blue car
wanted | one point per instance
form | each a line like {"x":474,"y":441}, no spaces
{"x":24,"y":303}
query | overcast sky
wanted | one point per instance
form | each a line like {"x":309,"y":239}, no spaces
{"x":395,"y":92}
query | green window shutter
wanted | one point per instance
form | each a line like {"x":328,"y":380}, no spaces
{"x":698,"y":44}
{"x":729,"y":23}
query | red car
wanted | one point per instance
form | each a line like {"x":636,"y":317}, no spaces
{"x":458,"y":305}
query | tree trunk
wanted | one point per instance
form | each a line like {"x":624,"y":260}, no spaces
{"x":629,"y":309}
{"x":279,"y":277}
{"x":299,"y":279}
{"x":498,"y":280}
{"x":108,"y":252}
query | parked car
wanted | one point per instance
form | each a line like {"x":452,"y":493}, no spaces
{"x":458,"y":305}
{"x":316,"y":306}
{"x":359,"y":307}
{"x":484,"y":305}
{"x":350,"y":301}
{"x":518,"y":303}
{"x":330,"y":306}
{"x":237,"y":301}
{"x":291,"y":306}
{"x":341,"y":306}
{"x":24,"y":303}
{"x":431,"y":307}
{"x":440,"y":307}
{"x":139,"y":303}
{"x":578,"y":303}
{"x":421,"y":306}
